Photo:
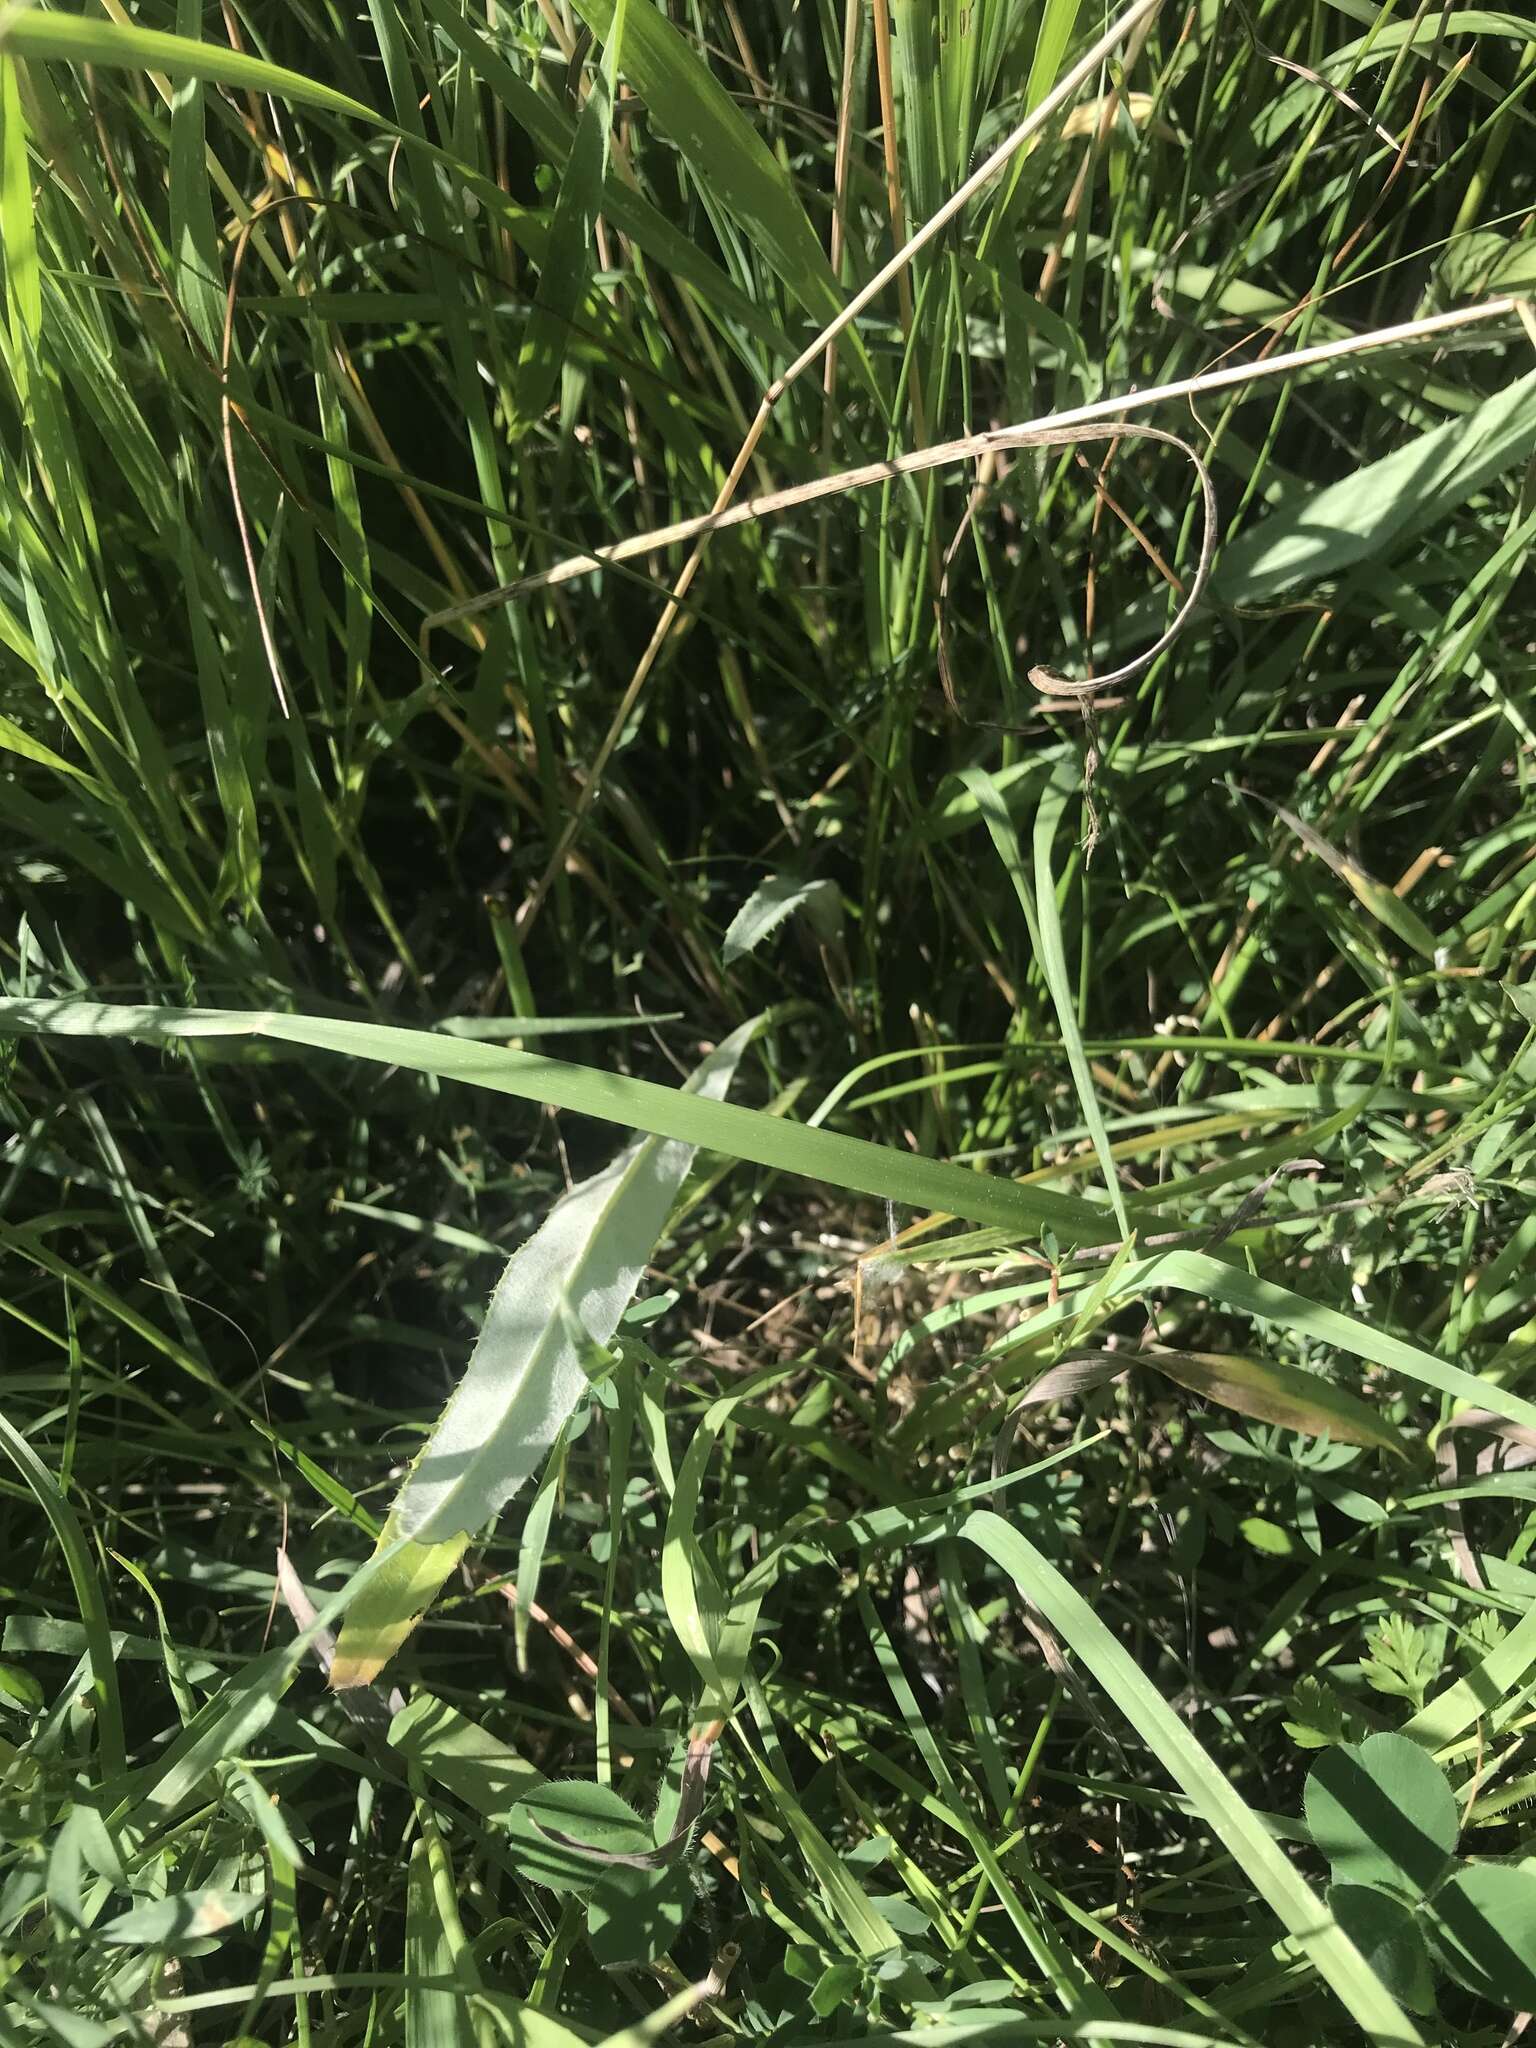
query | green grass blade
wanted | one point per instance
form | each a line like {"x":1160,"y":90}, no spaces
{"x":471,"y":1763}
{"x":733,"y":164}
{"x":1057,"y":22}
{"x":564,"y":278}
{"x":1053,"y":961}
{"x":23,"y":277}
{"x":854,"y":1163}
{"x":241,"y":1708}
{"x":435,"y":1947}
{"x":1481,"y":1693}
{"x":1043,"y":919}
{"x":559,"y":1298}
{"x":1239,"y":1830}
{"x":82,"y":39}
{"x":194,"y":236}
{"x":1371,"y":511}
{"x":1201,"y":1273}
{"x":552,"y":134}
{"x":88,"y":1595}
{"x":713,"y":1623}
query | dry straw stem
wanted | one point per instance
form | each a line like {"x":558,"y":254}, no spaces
{"x":1079,"y":423}
{"x":1102,"y":420}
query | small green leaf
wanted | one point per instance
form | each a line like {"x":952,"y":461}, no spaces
{"x":19,"y":1688}
{"x":634,"y":1916}
{"x":771,"y":904}
{"x":1483,"y":1929}
{"x":1387,"y":1935}
{"x":1383,"y":1813}
{"x":591,"y":1819}
{"x":836,"y":1985}
{"x":185,"y":1920}
{"x":1268,"y":1537}
{"x":1404,"y":1661}
{"x":1480,"y":1638}
{"x":1322,"y":1716}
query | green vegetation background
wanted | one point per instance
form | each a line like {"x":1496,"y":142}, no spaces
{"x":319,"y":323}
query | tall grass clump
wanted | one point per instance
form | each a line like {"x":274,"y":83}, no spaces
{"x":766,"y":1023}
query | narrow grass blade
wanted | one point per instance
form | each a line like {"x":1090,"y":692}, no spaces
{"x":1236,"y":1826}
{"x":1071,"y":1985}
{"x":1381,"y":902}
{"x":1057,"y":21}
{"x":563,"y":280}
{"x":1202,"y":1273}
{"x":1481,"y":1693}
{"x":860,"y":1919}
{"x":88,"y":1594}
{"x":552,"y":134}
{"x":435,"y":1947}
{"x":194,"y":236}
{"x":83,"y":39}
{"x":1038,"y":902}
{"x":713,"y":1625}
{"x":1053,"y":960}
{"x":23,"y":277}
{"x":880,"y":1170}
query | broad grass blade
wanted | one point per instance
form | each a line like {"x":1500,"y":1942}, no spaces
{"x":559,"y":1298}
{"x":732,"y":163}
{"x":526,"y":1371}
{"x":1370,"y":511}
